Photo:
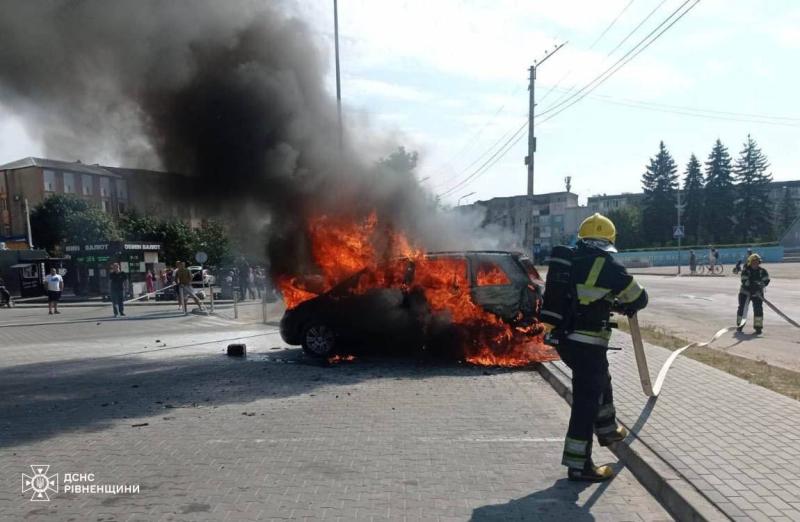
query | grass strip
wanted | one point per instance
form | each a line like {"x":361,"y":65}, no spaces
{"x":780,"y":380}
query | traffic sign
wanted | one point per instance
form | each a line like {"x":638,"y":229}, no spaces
{"x":201,"y":257}
{"x":677,"y":231}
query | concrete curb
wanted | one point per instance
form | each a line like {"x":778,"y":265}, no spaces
{"x":676,"y":494}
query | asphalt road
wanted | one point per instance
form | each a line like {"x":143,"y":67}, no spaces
{"x":151,"y":401}
{"x":696,"y":307}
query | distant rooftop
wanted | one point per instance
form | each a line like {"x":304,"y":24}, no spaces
{"x":75,"y":166}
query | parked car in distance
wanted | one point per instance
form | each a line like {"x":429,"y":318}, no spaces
{"x":395,"y":312}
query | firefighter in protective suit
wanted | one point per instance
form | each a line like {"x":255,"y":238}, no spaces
{"x":754,"y":280}
{"x":584,"y":285}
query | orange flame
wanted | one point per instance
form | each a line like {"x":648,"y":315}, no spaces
{"x":341,"y":247}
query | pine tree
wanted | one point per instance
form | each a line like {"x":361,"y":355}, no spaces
{"x":659,"y":183}
{"x":718,"y":218}
{"x":787,"y":212}
{"x":753,"y":207}
{"x":693,"y":199}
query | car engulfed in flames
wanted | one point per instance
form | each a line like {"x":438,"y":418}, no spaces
{"x":477,"y":306}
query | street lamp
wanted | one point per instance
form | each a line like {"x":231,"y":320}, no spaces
{"x":458,"y":203}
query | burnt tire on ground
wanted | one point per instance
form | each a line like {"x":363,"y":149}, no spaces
{"x":319,"y":340}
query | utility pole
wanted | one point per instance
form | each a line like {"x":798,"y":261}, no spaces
{"x":531,"y":107}
{"x":338,"y":81}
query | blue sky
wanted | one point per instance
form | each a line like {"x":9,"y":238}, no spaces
{"x":449,"y":79}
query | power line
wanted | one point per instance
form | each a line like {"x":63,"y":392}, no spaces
{"x":614,"y":21}
{"x":476,"y":160}
{"x":626,"y":58}
{"x":596,"y":41}
{"x":699,"y":112}
{"x":499,"y":153}
{"x":646,"y":18}
{"x":559,"y":107}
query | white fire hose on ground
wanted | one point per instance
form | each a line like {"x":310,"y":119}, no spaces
{"x":641,"y":358}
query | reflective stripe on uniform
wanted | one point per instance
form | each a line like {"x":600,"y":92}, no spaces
{"x":758,"y":321}
{"x":589,"y":294}
{"x":587,"y":338}
{"x":587,"y":291}
{"x":576,"y":446}
{"x":558,"y":260}
{"x":631,"y":292}
{"x":606,"y":411}
{"x":594,"y":273}
{"x":552,"y":314}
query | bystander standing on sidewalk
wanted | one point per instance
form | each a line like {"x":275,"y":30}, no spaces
{"x":692,"y":261}
{"x":55,"y":285}
{"x":116,"y":287}
{"x":149,"y":281}
{"x":183,"y":278}
{"x":5,"y":295}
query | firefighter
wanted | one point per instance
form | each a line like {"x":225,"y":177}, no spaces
{"x":584,"y":284}
{"x":754,"y":280}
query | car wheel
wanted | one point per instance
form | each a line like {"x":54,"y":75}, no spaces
{"x":319,"y":340}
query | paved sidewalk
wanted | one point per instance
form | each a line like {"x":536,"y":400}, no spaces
{"x":735,"y":446}
{"x":270,"y":437}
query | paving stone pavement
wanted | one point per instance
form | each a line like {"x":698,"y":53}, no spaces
{"x":737,"y":443}
{"x":274,"y":437}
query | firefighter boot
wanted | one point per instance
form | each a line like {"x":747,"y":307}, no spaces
{"x":615,"y":436}
{"x":590,"y":473}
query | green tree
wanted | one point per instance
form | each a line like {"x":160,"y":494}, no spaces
{"x":693,"y":199}
{"x":718,"y":222}
{"x":659,"y":183}
{"x":628,"y":222}
{"x":212,"y":239}
{"x":136,"y":227}
{"x":787,"y":212}
{"x":177,"y":239}
{"x":753,"y":207}
{"x":400,"y":161}
{"x":64,"y":218}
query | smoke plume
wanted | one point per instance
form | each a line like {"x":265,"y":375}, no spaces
{"x":230,"y":93}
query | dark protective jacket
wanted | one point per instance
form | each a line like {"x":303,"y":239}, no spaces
{"x":754,"y":280}
{"x":599,"y":283}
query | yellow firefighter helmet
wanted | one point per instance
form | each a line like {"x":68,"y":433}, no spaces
{"x":597,"y":226}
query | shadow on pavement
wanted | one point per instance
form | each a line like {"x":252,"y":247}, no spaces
{"x":558,"y":502}
{"x":42,"y":400}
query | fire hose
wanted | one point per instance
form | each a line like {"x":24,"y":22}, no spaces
{"x":641,"y":359}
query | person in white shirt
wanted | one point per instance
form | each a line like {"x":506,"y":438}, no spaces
{"x":55,"y":284}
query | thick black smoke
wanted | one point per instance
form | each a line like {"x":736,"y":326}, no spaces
{"x":231,"y":93}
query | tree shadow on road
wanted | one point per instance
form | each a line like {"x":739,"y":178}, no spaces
{"x":42,"y":400}
{"x":558,"y":502}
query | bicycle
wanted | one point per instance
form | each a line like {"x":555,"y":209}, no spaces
{"x":716,"y":269}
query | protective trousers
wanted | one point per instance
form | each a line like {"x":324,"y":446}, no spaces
{"x":758,"y":309}
{"x":592,"y":401}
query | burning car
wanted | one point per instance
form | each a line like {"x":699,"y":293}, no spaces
{"x":482,"y":305}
